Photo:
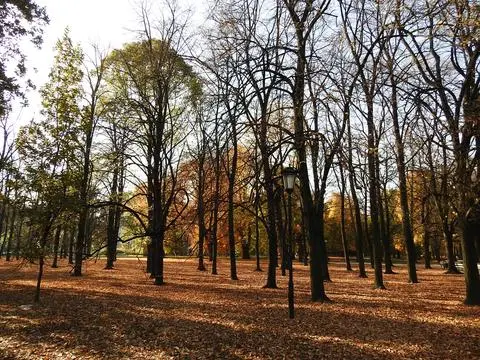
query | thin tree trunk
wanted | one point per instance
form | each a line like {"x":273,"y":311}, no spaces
{"x":64,"y":243}
{"x":43,"y":242}
{"x":56,"y":244}
{"x":426,"y":232}
{"x":257,"y":232}
{"x":39,"y":279}
{"x":383,"y":223}
{"x":387,"y":252}
{"x":359,"y":234}
{"x":448,"y":235}
{"x":426,"y":246}
{"x":71,"y":243}
{"x":111,"y":237}
{"x":246,"y":245}
{"x":214,"y":227}
{"x":10,"y":234}
{"x":80,"y":242}
{"x":342,"y":221}
{"x":304,"y":238}
{"x":18,"y":236}
{"x":201,"y":213}
{"x":4,"y":228}
{"x":373,"y":192}
{"x":406,"y":210}
{"x":280,"y":229}
{"x":367,"y":231}
{"x":231,"y":205}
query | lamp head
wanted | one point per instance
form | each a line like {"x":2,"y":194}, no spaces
{"x":289,"y":174}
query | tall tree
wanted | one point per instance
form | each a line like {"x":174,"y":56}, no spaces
{"x":87,"y":125}
{"x":364,"y":32}
{"x":304,"y":16}
{"x":447,"y":57}
{"x":157,"y":85}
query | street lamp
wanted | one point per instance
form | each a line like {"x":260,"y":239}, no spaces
{"x":289,"y":174}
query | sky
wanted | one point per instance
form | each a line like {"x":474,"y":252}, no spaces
{"x":107,"y":23}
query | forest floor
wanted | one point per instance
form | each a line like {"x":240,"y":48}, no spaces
{"x":119,"y":314}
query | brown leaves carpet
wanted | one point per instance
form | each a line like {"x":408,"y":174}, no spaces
{"x":119,"y":314}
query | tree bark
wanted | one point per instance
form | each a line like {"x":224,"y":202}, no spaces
{"x":71,"y":243}
{"x":373,"y":192}
{"x":406,"y":218}
{"x":359,"y":234}
{"x":342,"y":221}
{"x":56,"y":243}
{"x":10,"y":234}
{"x":18,"y":236}
{"x":231,"y":205}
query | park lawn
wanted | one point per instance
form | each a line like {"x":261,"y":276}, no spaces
{"x":119,"y":314}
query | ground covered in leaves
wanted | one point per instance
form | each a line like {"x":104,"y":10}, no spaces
{"x":119,"y":314}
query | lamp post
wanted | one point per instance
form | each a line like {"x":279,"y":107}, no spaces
{"x":289,"y":174}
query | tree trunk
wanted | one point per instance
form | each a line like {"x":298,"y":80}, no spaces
{"x":426,"y":247}
{"x":231,"y":207}
{"x":469,"y":224}
{"x":83,"y":218}
{"x":201,"y":214}
{"x":39,"y":278}
{"x":257,"y":231}
{"x":387,"y":250}
{"x":373,"y":192}
{"x":246,"y":245}
{"x":342,"y":221}
{"x":382,"y":220}
{"x":426,"y":233}
{"x":304,"y":238}
{"x":314,"y":212}
{"x":71,"y":243}
{"x":18,"y":236}
{"x":388,"y":225}
{"x":56,"y":244}
{"x":64,"y":243}
{"x":452,"y":269}
{"x":368,"y":238}
{"x":3,"y":217}
{"x":10,"y":234}
{"x":80,"y":241}
{"x":477,"y":246}
{"x":272,"y":236}
{"x":214,"y":226}
{"x":359,"y":234}
{"x":157,"y":228}
{"x":470,"y":228}
{"x":43,"y":243}
{"x":4,"y":226}
{"x":111,"y":236}
{"x":280,"y":229}
{"x":406,"y":209}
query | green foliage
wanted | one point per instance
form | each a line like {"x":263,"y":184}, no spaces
{"x":19,"y":19}
{"x":152,"y":70}
{"x":46,"y":147}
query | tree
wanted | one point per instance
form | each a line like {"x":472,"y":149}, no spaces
{"x":46,"y":146}
{"x":361,"y":24}
{"x":118,"y":134}
{"x":304,"y":17}
{"x":90,"y":114}
{"x":44,"y":153}
{"x":157,"y":85}
{"x":18,"y":19}
{"x":447,"y":58}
